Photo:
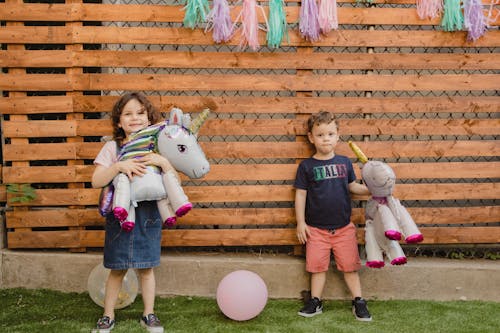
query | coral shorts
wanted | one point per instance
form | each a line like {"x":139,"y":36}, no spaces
{"x":342,"y":242}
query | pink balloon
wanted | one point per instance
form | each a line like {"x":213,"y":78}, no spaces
{"x":241,"y":295}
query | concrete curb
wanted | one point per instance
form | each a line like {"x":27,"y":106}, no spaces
{"x":198,"y":274}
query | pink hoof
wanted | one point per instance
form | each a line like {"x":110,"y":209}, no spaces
{"x":120,"y":213}
{"x":127,"y":226}
{"x":393,"y":234}
{"x":170,"y":221}
{"x":412,"y":239}
{"x":184,"y":209}
{"x":375,"y":264}
{"x":399,"y":261}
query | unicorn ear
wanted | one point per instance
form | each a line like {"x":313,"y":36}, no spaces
{"x":176,"y":117}
{"x":186,"y":120}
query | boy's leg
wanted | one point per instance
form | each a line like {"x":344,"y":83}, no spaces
{"x":353,"y":283}
{"x":317,"y":284}
{"x":345,"y":250}
{"x":314,"y":305}
{"x":359,"y":306}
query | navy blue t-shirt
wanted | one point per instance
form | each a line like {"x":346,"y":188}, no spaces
{"x":328,"y":202}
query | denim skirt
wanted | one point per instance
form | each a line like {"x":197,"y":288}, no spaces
{"x":139,"y":248}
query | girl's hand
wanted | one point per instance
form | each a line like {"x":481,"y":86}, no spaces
{"x":159,"y":161}
{"x":132,"y":167}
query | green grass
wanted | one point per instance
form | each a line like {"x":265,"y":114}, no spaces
{"x":26,"y":311}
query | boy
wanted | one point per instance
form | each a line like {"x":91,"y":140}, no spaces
{"x":323,"y":211}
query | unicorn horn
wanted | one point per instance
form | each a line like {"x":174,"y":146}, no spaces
{"x":357,"y":151}
{"x":198,"y":121}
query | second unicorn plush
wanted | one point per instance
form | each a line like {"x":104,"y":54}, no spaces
{"x":175,"y":139}
{"x":386,"y":219}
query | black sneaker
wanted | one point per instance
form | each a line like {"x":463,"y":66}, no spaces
{"x":313,"y":307}
{"x":104,"y":325}
{"x":151,"y":323}
{"x":360,"y":310}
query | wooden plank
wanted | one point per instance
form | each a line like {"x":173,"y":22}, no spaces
{"x":205,"y":217}
{"x":40,"y":128}
{"x":258,"y":60}
{"x":248,"y":82}
{"x":355,"y":127}
{"x":274,"y":193}
{"x":213,"y":127}
{"x":36,"y":104}
{"x":307,"y":105}
{"x":259,"y":172}
{"x":235,"y":237}
{"x":187,"y":36}
{"x":158,"y":13}
{"x":48,"y":174}
{"x":231,"y":150}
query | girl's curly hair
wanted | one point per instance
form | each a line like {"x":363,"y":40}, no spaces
{"x":153,"y":115}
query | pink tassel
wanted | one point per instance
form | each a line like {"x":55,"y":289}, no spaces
{"x":429,"y":8}
{"x":249,"y":25}
{"x":474,"y":19}
{"x":308,"y":21}
{"x":219,"y":20}
{"x":327,"y":17}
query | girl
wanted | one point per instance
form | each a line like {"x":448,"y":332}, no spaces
{"x":139,"y":249}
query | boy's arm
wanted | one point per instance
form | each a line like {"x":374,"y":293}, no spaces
{"x":300,"y":216}
{"x":357,"y":188}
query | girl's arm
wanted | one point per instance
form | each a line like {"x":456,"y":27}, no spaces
{"x":160,"y":161}
{"x":104,"y":175}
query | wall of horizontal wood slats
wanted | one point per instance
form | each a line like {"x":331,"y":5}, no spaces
{"x":424,"y":100}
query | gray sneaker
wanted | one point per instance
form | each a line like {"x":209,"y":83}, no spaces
{"x":313,"y":307}
{"x":360,"y":310}
{"x":151,"y":323}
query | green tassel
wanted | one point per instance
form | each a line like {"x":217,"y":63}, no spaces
{"x":196,"y":12}
{"x":277,"y":26}
{"x":453,"y":19}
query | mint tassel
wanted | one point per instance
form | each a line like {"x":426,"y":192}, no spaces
{"x":196,"y":12}
{"x":277,"y":26}
{"x":453,"y":19}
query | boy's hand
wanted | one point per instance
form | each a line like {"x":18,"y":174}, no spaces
{"x":302,"y":232}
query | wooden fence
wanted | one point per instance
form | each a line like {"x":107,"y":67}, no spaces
{"x":424,"y":100}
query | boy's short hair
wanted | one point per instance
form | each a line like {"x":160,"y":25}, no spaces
{"x":322,"y":117}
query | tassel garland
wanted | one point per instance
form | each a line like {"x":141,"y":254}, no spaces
{"x":196,"y":12}
{"x":474,"y":19}
{"x":249,"y":25}
{"x":429,"y":8}
{"x":219,"y":20}
{"x":308,"y":21}
{"x":453,"y":19}
{"x":327,"y":17}
{"x":277,"y":26}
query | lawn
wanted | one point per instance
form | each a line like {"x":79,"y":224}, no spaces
{"x":50,"y":311}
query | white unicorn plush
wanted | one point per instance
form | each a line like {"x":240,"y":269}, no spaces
{"x":175,"y":139}
{"x":386,"y":219}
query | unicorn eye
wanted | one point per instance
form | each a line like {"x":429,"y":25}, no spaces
{"x":182,"y":148}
